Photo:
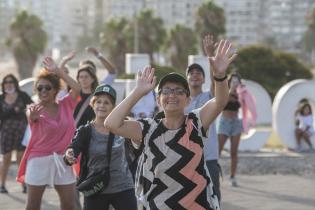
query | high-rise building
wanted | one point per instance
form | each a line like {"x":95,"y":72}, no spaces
{"x":286,"y":22}
{"x":278,"y":23}
{"x":172,"y":12}
{"x":244,"y":19}
{"x":62,"y":20}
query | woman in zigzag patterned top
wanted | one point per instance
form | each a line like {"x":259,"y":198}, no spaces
{"x":172,"y":173}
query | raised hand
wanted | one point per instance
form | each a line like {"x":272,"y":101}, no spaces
{"x":34,"y":112}
{"x":222,"y":59}
{"x":92,"y":50}
{"x":208,"y":45}
{"x":70,"y":156}
{"x":50,"y":65}
{"x":146,"y":80}
{"x":66,"y":59}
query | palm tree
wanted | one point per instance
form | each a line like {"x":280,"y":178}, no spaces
{"x":210,"y":20}
{"x":27,"y":40}
{"x":115,"y":39}
{"x":181,"y":42}
{"x":151,"y":33}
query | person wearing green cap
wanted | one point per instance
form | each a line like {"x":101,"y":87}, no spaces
{"x":172,"y":173}
{"x":92,"y":142}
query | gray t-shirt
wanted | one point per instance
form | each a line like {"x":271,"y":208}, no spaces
{"x":211,"y":149}
{"x":120,"y":175}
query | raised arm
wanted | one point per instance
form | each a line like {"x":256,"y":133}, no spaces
{"x":209,"y":47}
{"x":116,"y":122}
{"x":65,"y":60}
{"x":220,"y":62}
{"x":108,"y":65}
{"x":51,"y":66}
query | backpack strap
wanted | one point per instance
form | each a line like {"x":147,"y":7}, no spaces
{"x":109,"y":147}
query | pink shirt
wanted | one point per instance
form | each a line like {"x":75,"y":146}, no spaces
{"x":50,"y":134}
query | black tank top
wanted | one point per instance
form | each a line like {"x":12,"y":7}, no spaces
{"x":233,"y":104}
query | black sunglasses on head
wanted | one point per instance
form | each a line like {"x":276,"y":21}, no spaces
{"x":43,"y":87}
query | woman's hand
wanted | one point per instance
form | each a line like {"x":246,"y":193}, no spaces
{"x":145,"y":81}
{"x":92,"y":50}
{"x":208,"y":45}
{"x":66,"y":59}
{"x":34,"y":112}
{"x":70,"y":156}
{"x":50,"y":65}
{"x":222,"y":59}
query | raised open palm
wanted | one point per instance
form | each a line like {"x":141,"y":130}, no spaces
{"x":146,"y":80}
{"x":208,"y":45}
{"x":50,"y":65}
{"x":223,"y":57}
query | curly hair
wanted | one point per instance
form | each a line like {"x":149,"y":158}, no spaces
{"x":51,"y":77}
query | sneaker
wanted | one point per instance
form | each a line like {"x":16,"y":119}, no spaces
{"x":298,"y":149}
{"x":233,"y":182}
{"x":3,"y":189}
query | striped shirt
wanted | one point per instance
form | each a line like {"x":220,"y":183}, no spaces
{"x":172,"y":173}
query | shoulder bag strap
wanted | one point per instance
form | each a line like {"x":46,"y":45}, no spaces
{"x":82,"y":109}
{"x":109,"y":147}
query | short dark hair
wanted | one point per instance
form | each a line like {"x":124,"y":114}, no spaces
{"x":195,"y":66}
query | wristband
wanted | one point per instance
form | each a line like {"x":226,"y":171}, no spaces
{"x":99,"y":55}
{"x":220,"y":79}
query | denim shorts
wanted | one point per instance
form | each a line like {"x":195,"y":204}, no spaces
{"x":230,"y":126}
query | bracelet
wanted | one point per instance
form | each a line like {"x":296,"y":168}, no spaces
{"x":99,"y":55}
{"x":220,"y":79}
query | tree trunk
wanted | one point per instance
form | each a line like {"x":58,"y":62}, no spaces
{"x":25,"y":66}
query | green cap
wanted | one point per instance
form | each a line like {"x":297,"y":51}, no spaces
{"x":107,"y":89}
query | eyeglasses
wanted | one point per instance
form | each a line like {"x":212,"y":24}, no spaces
{"x":43,"y":87}
{"x":176,"y":91}
{"x":8,"y":82}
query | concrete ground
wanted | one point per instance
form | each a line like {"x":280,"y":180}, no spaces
{"x":259,"y":192}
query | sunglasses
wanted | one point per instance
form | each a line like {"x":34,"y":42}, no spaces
{"x":176,"y":91}
{"x":8,"y":82}
{"x":43,"y":87}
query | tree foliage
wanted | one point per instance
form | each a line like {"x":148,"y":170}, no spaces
{"x":151,"y":33}
{"x":210,"y":20}
{"x":270,"y":69}
{"x":309,"y":36}
{"x":115,"y":40}
{"x":180,"y":43}
{"x":27,"y":40}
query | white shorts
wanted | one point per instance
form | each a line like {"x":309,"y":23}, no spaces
{"x":48,"y":170}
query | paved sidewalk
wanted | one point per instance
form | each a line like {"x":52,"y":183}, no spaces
{"x":292,"y":189}
{"x":268,"y":192}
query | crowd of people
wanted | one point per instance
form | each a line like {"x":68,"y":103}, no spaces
{"x":80,"y":140}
